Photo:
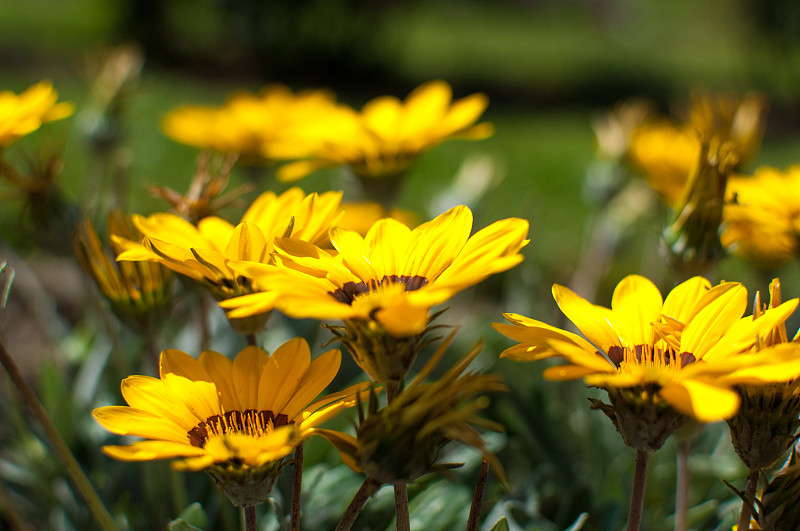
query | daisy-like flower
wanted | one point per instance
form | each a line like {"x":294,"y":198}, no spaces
{"x":234,"y":419}
{"x":137,"y":291}
{"x":24,"y":113}
{"x":386,"y":136}
{"x":383,"y":285}
{"x":762,"y":215}
{"x":666,"y":151}
{"x":660,"y":360}
{"x":257,"y":126}
{"x":204,"y":251}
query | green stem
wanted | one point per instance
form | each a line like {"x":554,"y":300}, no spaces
{"x":750,"y":493}
{"x":477,"y":498}
{"x":83,"y":484}
{"x":682,"y":485}
{"x":367,"y":489}
{"x":297,"y":487}
{"x":637,"y":494}
{"x":250,"y":518}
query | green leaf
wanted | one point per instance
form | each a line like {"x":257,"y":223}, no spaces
{"x":193,"y":518}
{"x":501,"y":525}
{"x":6,"y":279}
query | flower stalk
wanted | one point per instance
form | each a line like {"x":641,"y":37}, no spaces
{"x":297,"y":487}
{"x":637,"y":494}
{"x":750,"y":494}
{"x":367,"y":489}
{"x":477,"y":498}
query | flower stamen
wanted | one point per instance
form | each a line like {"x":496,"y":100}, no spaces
{"x":249,"y":422}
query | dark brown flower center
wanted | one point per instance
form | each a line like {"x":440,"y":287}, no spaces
{"x":250,"y":422}
{"x":350,"y":290}
{"x":648,"y":356}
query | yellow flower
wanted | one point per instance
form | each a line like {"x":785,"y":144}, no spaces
{"x":653,"y":352}
{"x":387,"y":135}
{"x":236,"y":419}
{"x":258,"y":126}
{"x":763,"y":215}
{"x":393,"y":276}
{"x":24,"y":113}
{"x":204,"y":251}
{"x":383,"y":285}
{"x":665,"y":152}
{"x":136,"y":291}
{"x":362,"y":215}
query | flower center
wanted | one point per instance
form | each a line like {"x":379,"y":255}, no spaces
{"x":249,"y":422}
{"x":647,"y":356}
{"x":350,"y":290}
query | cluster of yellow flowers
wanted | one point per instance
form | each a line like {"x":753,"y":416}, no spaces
{"x":662,"y":361}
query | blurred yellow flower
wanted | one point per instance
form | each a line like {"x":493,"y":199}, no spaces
{"x":386,"y":136}
{"x":235,"y":419}
{"x":762,"y":215}
{"x":136,"y":290}
{"x":256,"y":126}
{"x":665,"y":151}
{"x":21,"y":114}
{"x":647,"y":350}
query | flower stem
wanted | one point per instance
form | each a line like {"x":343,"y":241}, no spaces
{"x":682,"y":485}
{"x":250,"y":518}
{"x":477,"y":498}
{"x":297,"y":487}
{"x":368,"y":488}
{"x":750,"y":493}
{"x":637,"y":495}
{"x":252,"y":340}
{"x":401,"y":506}
{"x":83,"y":484}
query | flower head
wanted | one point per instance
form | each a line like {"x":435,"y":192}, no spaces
{"x":655,"y":357}
{"x":384,"y":284}
{"x":255,"y":126}
{"x":401,"y":441}
{"x":137,"y":291}
{"x":235,"y":419}
{"x":762,"y":215}
{"x":204,"y":251}
{"x":386,"y":136}
{"x":24,"y":113}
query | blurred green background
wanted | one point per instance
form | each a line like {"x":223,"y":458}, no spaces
{"x":548,"y":67}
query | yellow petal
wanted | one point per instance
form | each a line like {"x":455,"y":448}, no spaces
{"x":220,"y":368}
{"x":434,"y":245}
{"x":596,"y":322}
{"x":355,"y":253}
{"x":247,"y":368}
{"x":713,"y":321}
{"x":282,"y":374}
{"x":152,"y":395}
{"x":701,"y":400}
{"x":150,"y":450}
{"x":124,"y":420}
{"x":682,"y":299}
{"x":561,"y":373}
{"x":403,"y":319}
{"x":320,"y":373}
{"x":636,"y":304}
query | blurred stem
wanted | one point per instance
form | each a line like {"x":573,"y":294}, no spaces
{"x":750,"y":493}
{"x":401,"y":506}
{"x":99,"y":511}
{"x":391,"y":390}
{"x":637,"y":495}
{"x":367,"y":489}
{"x":250,"y":518}
{"x":252,"y":341}
{"x":297,"y":487}
{"x":152,"y":353}
{"x":682,"y":483}
{"x":477,"y":498}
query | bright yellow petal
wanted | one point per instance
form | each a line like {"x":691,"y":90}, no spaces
{"x":701,"y":400}
{"x":403,"y":319}
{"x":282,"y":374}
{"x":150,"y":394}
{"x":124,"y":420}
{"x":682,"y":299}
{"x":320,"y":373}
{"x":355,"y":253}
{"x":220,"y":367}
{"x":561,"y":373}
{"x":596,"y":322}
{"x":247,"y":368}
{"x":434,"y":245}
{"x":636,"y":304}
{"x":713,"y":321}
{"x":150,"y":450}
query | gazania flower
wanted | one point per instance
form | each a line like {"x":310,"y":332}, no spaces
{"x":386,"y":136}
{"x":383,"y":285}
{"x":763,"y":215}
{"x":652,"y":355}
{"x":24,"y":113}
{"x":137,"y":291}
{"x":204,"y":252}
{"x":665,"y":151}
{"x":256,"y":126}
{"x":235,"y":419}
